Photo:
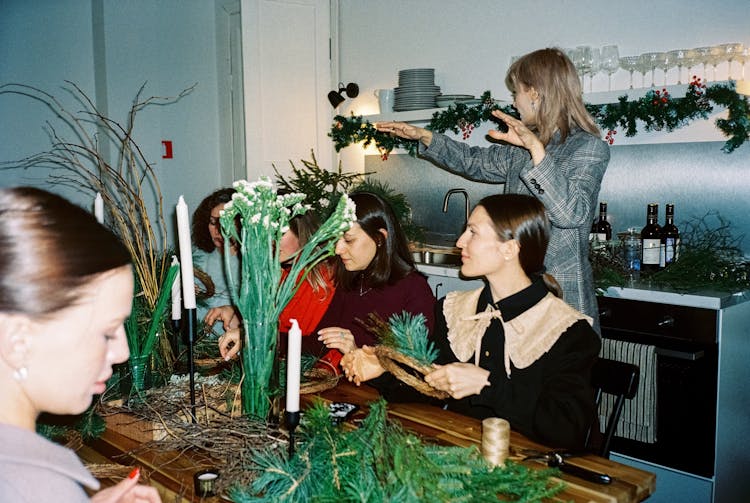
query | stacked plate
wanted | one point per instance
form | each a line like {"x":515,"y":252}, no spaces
{"x":416,"y":90}
{"x":446,"y":100}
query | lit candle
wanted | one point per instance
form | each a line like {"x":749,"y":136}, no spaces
{"x":176,"y":296}
{"x":186,"y":254}
{"x":293,"y":356}
{"x":99,"y":208}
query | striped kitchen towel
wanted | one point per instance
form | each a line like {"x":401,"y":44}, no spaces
{"x":638,"y":419}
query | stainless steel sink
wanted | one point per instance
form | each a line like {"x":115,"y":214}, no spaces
{"x":436,"y":258}
{"x":440,"y":240}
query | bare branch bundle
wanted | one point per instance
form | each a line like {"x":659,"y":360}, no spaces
{"x":79,"y":158}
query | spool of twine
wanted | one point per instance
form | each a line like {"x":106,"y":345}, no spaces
{"x":495,"y":440}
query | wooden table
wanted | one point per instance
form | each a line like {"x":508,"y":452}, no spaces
{"x":173,"y":473}
{"x":629,"y":484}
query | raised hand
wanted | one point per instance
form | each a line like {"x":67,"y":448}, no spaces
{"x":518,"y":134}
{"x":407,"y":131}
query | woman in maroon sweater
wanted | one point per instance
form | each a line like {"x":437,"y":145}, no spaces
{"x":375,"y":273}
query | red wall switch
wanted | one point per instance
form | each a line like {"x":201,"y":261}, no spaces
{"x":167,"y":149}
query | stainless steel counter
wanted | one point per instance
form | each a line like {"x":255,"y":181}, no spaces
{"x":643,"y":292}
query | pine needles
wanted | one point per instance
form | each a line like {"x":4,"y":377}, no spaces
{"x":405,"y":333}
{"x":381,"y":462}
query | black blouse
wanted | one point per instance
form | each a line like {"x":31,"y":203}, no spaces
{"x":551,"y":401}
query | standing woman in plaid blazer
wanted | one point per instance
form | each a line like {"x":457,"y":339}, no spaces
{"x":554,"y":153}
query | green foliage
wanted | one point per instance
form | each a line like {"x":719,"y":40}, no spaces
{"x":398,"y":202}
{"x":322,"y":188}
{"x":90,"y":425}
{"x":380,"y":462}
{"x":657,"y":110}
{"x":408,"y":335}
{"x":459,"y":117}
{"x":710,"y":258}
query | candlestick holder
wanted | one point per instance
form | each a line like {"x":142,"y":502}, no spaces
{"x":292,"y":421}
{"x":190,"y":326}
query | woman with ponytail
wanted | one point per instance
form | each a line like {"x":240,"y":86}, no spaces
{"x":513,"y":348}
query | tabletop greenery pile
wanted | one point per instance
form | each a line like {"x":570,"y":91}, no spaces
{"x":381,"y":462}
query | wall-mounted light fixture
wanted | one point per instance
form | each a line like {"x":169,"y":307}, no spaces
{"x":352,"y":91}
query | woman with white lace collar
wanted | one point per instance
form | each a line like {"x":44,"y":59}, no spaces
{"x":512,"y":349}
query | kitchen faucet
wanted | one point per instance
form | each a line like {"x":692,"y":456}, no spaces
{"x":448,"y":197}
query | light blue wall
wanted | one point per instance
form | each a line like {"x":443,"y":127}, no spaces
{"x":41,"y":44}
{"x":169,"y":45}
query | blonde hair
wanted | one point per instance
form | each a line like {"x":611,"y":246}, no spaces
{"x":553,"y":76}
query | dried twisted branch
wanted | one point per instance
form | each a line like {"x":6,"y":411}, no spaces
{"x":80,"y":158}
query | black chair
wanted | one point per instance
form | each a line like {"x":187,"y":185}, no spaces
{"x":615,"y":378}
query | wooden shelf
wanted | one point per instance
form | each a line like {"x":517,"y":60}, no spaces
{"x":411,"y":116}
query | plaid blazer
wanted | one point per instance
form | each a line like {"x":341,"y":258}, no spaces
{"x":567,"y":181}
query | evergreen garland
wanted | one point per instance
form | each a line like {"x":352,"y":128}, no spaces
{"x":657,"y":110}
{"x":381,"y":462}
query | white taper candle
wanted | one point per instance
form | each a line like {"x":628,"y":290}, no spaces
{"x":99,"y":208}
{"x":176,"y":295}
{"x":293,"y":367}
{"x":186,"y":254}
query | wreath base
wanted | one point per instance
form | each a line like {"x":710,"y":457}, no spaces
{"x":389,"y":359}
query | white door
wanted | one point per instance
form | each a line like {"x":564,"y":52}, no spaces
{"x":231,"y":92}
{"x":286,"y":79}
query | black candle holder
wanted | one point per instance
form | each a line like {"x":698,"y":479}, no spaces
{"x":190,"y":328}
{"x":292,"y":421}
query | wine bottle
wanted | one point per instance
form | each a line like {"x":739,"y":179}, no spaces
{"x":670,"y":238}
{"x":651,"y":240}
{"x":603,"y":229}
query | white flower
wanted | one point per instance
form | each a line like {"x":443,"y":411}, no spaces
{"x":266,"y":221}
{"x":255,"y":219}
{"x":285,"y":229}
{"x":324,"y":202}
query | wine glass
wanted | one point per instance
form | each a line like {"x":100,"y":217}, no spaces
{"x":683,"y":57}
{"x":706,"y":57}
{"x":629,"y":64}
{"x":649,"y":62}
{"x":596,"y":66}
{"x":664,"y":63}
{"x":610,"y":62}
{"x":731,"y":51}
{"x":582,"y":60}
{"x":743,"y":56}
{"x":717,"y":56}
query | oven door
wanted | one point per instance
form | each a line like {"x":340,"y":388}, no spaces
{"x":686,"y":380}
